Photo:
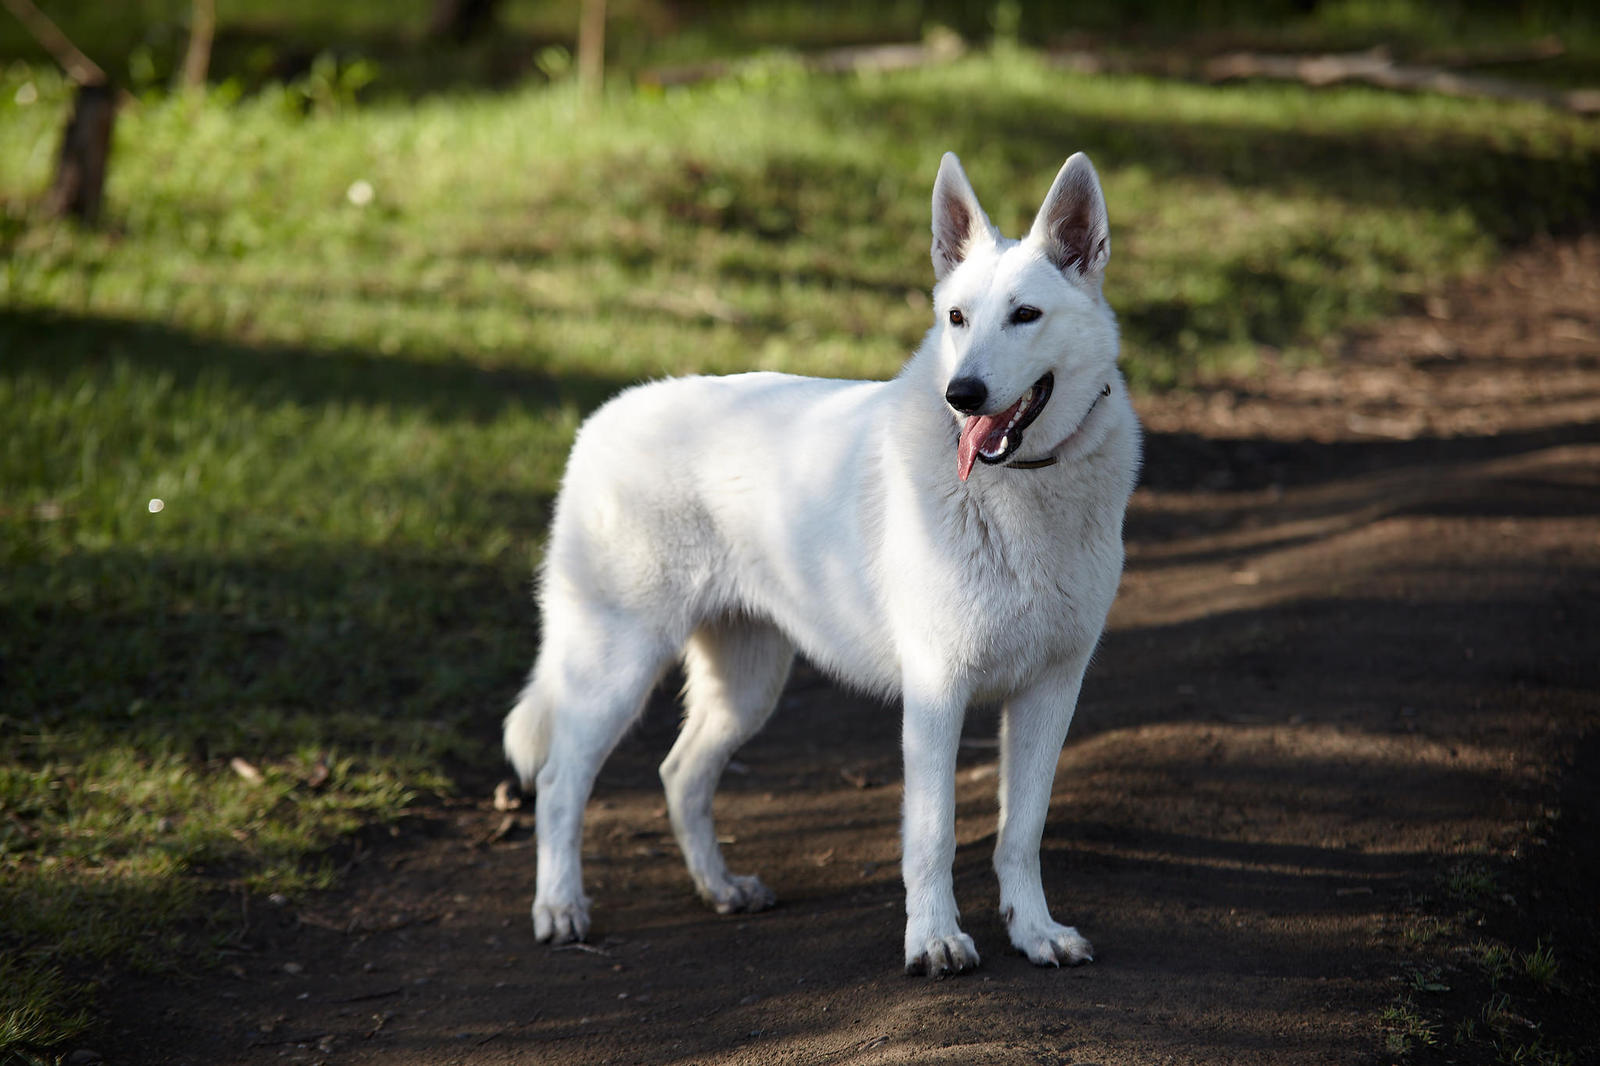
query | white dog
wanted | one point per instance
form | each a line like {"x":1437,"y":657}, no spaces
{"x":734,"y":520}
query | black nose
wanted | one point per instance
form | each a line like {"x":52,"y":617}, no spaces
{"x":966,"y":395}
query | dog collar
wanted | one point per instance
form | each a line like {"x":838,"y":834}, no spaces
{"x":1052,"y":460}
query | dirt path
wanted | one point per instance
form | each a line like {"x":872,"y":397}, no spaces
{"x":1319,"y":758}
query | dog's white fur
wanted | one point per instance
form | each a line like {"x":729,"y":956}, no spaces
{"x":734,"y":520}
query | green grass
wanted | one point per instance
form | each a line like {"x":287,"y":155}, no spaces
{"x":354,"y":414}
{"x":1405,"y":1029}
{"x":1540,"y":966}
{"x":1496,"y":960}
{"x":1469,"y":884}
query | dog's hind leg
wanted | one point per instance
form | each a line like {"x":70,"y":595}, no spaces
{"x":589,"y":685}
{"x":1033,"y":726}
{"x":735,"y":668}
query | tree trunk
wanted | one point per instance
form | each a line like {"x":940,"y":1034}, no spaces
{"x":85,"y":148}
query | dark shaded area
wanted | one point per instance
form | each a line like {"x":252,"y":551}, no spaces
{"x":351,"y":649}
{"x":461,"y":20}
{"x":441,"y":388}
{"x":299,"y":644}
{"x":1180,"y":461}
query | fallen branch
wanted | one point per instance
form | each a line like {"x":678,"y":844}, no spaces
{"x":306,"y":1038}
{"x":1377,"y":68}
{"x":1547,"y":47}
{"x":363,"y":997}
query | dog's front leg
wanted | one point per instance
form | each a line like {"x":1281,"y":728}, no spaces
{"x":935,"y":944}
{"x":1033,"y":726}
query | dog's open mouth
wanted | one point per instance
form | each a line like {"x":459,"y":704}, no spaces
{"x":994,"y":438}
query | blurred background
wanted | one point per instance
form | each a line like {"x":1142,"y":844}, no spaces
{"x":285,"y":400}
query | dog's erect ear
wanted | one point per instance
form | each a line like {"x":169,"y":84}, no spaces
{"x":958,"y":221}
{"x":1072,"y":223}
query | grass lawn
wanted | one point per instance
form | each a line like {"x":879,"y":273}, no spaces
{"x":278,"y":442}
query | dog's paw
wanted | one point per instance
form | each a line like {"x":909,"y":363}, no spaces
{"x":1053,"y":945}
{"x":740,"y":895}
{"x":940,"y":956}
{"x":561,"y":923}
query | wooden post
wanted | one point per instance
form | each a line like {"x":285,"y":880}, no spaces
{"x":592,"y":50}
{"x":202,"y":28}
{"x":85,"y":149}
{"x":80,"y":180}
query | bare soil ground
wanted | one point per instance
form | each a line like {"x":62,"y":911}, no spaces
{"x":1337,"y":735}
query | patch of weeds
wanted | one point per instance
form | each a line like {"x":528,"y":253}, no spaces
{"x":1494,"y":959}
{"x":1539,"y":966}
{"x":1537,"y":1053}
{"x":1515,"y":1039}
{"x":38,"y":1007}
{"x":1495,"y":1002}
{"x":1425,"y":930}
{"x":1430,"y":980}
{"x":1405,"y":1029}
{"x":1500,"y":1017}
{"x":1470,"y":883}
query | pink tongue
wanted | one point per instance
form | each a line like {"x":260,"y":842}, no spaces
{"x":973,"y":434}
{"x":977,"y":433}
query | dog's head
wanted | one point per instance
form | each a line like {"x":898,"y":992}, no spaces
{"x":1026,"y":342}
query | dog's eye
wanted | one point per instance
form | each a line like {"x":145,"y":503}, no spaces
{"x":1026,"y":314}
{"x":956,"y":317}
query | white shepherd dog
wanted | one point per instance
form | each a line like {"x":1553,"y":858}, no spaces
{"x":734,"y":520}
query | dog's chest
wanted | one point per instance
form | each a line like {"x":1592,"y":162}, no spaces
{"x":1012,"y":584}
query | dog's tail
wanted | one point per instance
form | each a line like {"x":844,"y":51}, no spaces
{"x":527,"y":731}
